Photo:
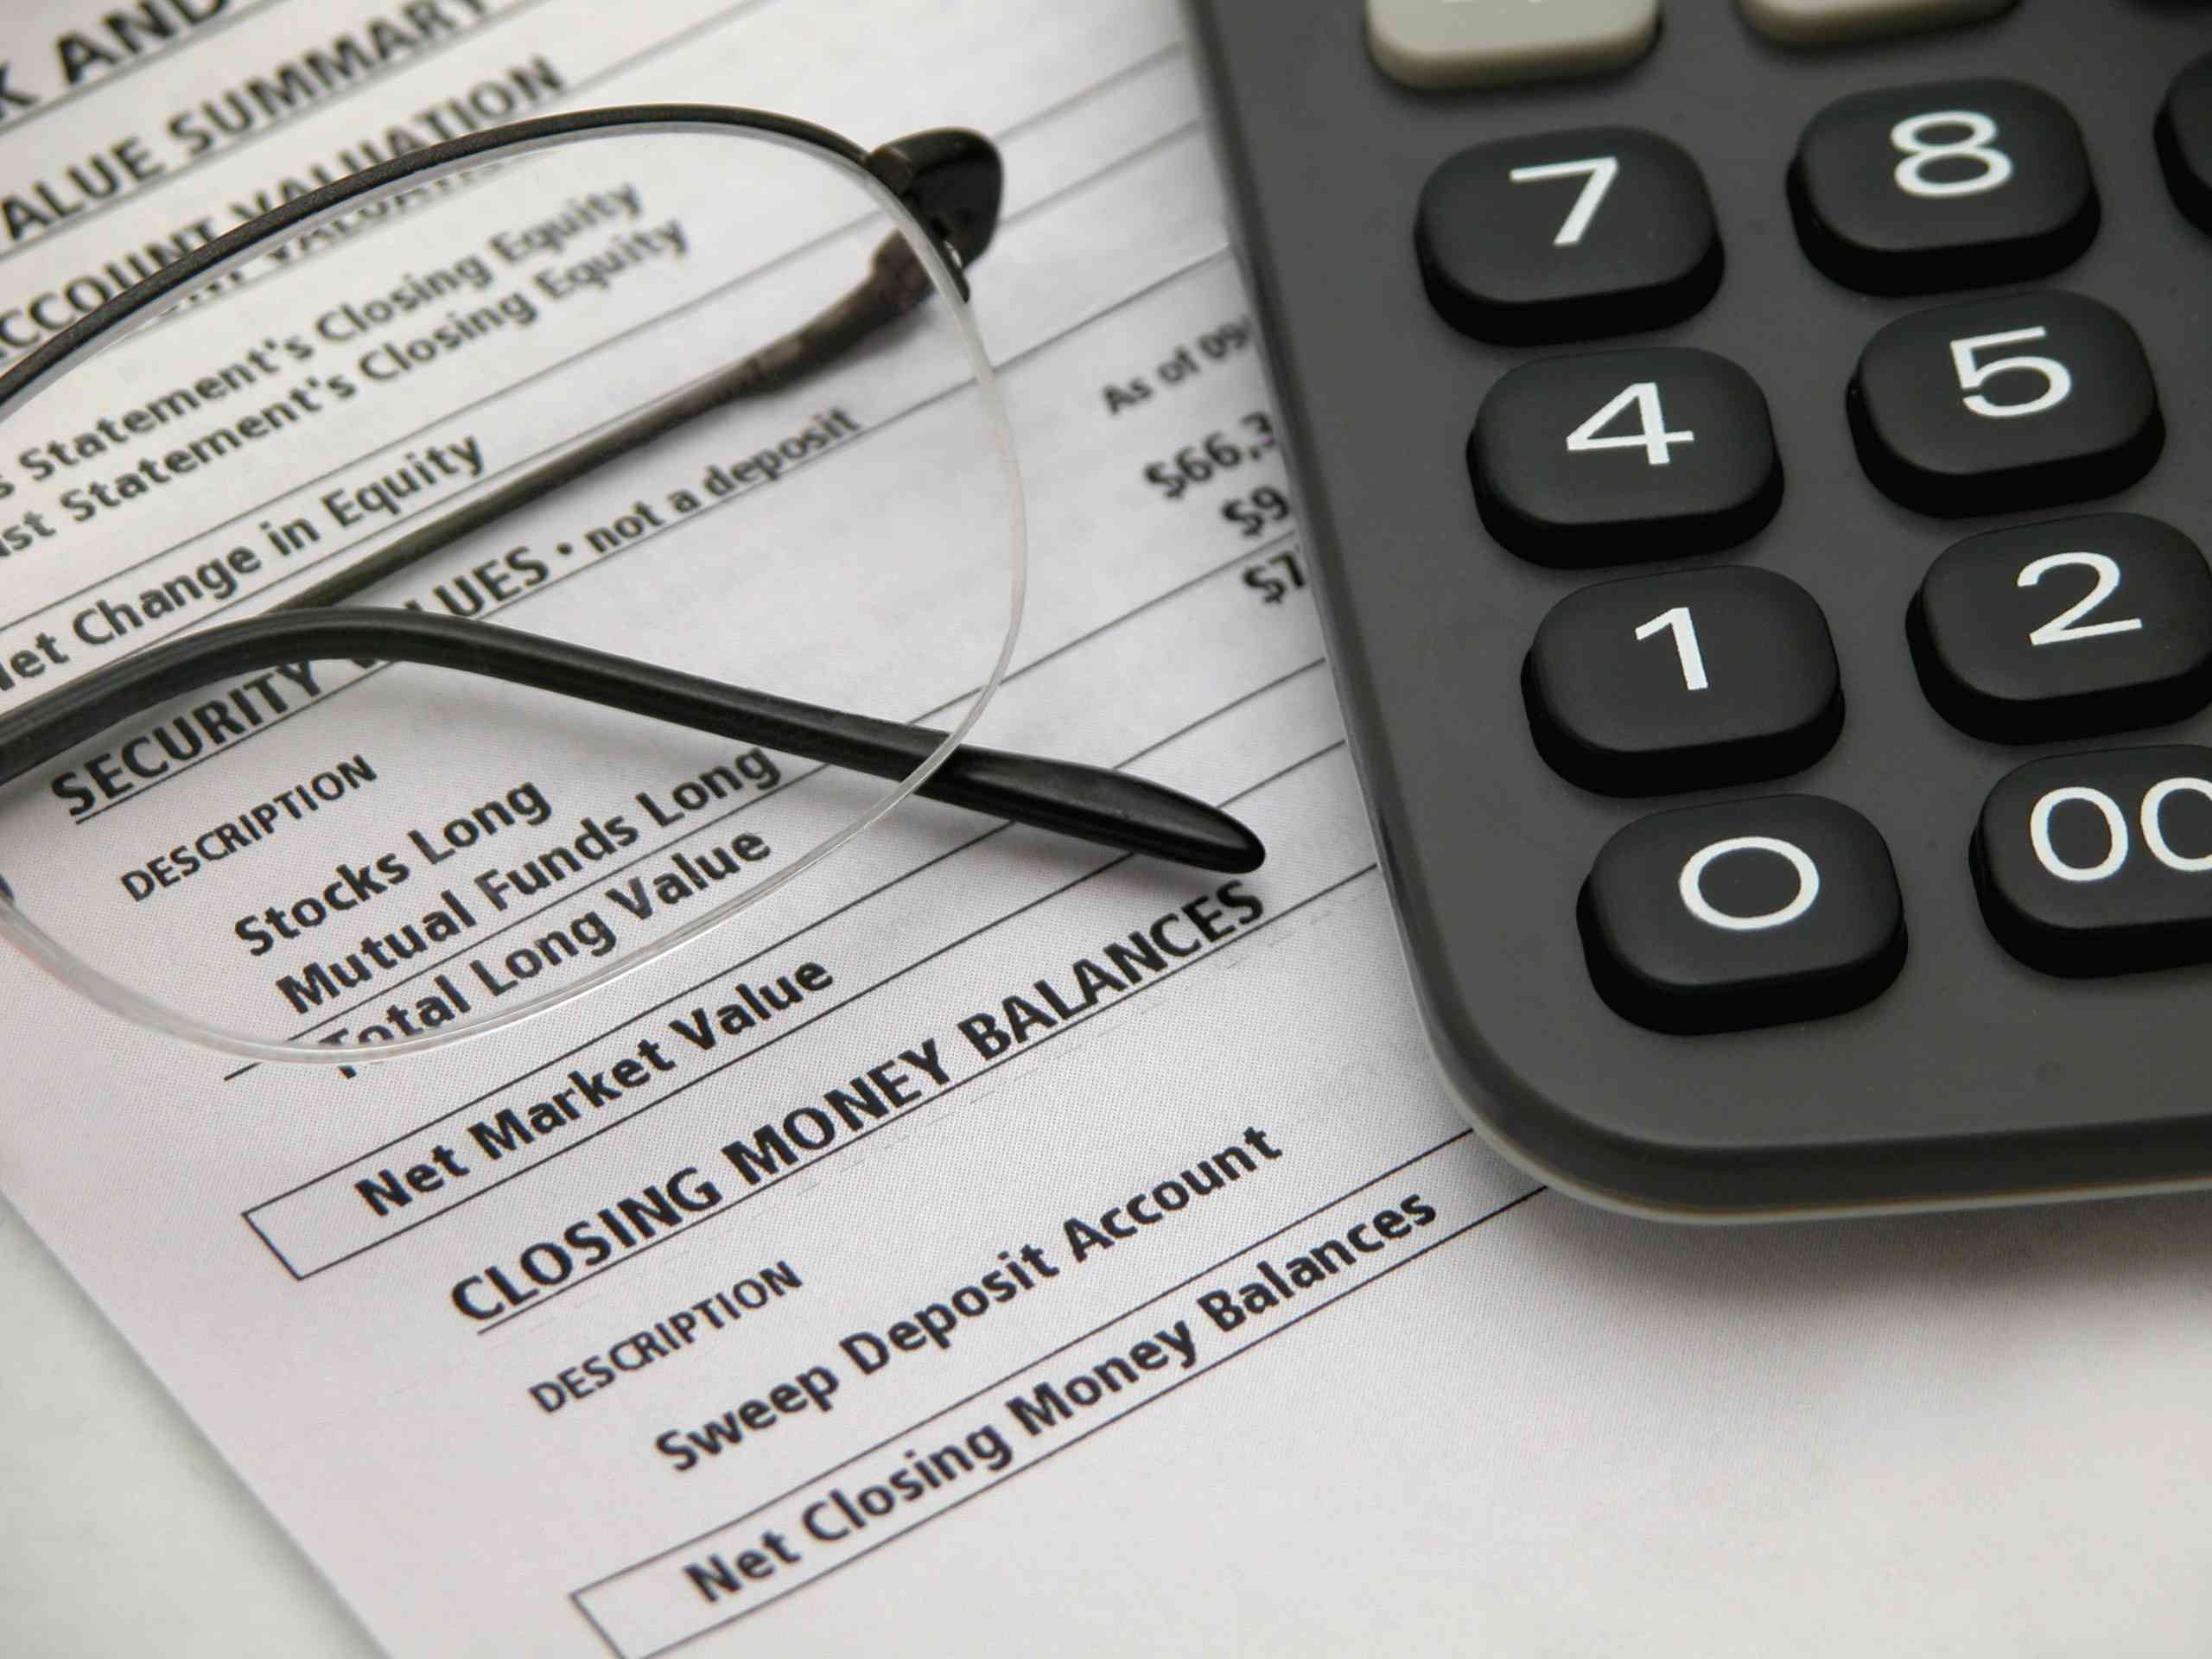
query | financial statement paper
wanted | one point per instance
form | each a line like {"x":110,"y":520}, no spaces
{"x":1194,"y":1321}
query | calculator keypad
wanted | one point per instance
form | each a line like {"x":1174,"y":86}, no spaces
{"x":1743,"y":913}
{"x":1618,"y":457}
{"x":2184,"y":134}
{"x":1438,"y":43}
{"x":1687,"y":680}
{"x":2101,"y":863}
{"x":2071,"y":628}
{"x":1824,"y":22}
{"x":1959,"y":246}
{"x":1954,"y":184}
{"x":2000,"y":405}
{"x":1567,"y":236}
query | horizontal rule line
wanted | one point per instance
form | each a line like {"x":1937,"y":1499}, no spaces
{"x":84,"y":89}
{"x":719,"y":292}
{"x":1381,"y":1273}
{"x":737,"y":1060}
{"x":420,"y":55}
{"x":1066,"y":1026}
{"x":734,"y":1060}
{"x":580,"y":571}
{"x":522,"y":917}
{"x":1026,"y":1366}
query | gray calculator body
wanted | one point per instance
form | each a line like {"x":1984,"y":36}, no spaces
{"x":1971,"y":1076}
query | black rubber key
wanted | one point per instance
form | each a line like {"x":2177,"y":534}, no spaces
{"x":2101,"y":863}
{"x":1567,"y":236}
{"x":2072,"y":628}
{"x":1954,"y":184}
{"x":2184,"y":133}
{"x":2006,"y":404}
{"x":1743,"y":913}
{"x":1688,"y":680}
{"x":1621,"y":457}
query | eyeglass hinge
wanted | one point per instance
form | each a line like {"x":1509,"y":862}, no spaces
{"x":952,"y":181}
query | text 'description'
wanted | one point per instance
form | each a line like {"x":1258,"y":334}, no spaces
{"x":879,"y":1495}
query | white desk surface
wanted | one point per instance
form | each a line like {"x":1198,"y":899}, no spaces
{"x":192,"y":1566}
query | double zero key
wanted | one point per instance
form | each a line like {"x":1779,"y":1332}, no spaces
{"x":2101,"y":863}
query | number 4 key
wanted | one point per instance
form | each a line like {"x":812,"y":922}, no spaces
{"x":1620,"y":457}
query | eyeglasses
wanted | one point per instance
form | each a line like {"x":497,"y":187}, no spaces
{"x":403,"y":825}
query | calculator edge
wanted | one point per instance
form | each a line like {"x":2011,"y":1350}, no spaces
{"x":1554,"y":1144}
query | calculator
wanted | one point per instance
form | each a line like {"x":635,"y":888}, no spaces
{"x":1756,"y":462}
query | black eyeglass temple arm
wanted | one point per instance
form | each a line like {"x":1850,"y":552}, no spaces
{"x":952,"y":181}
{"x":1089,"y":802}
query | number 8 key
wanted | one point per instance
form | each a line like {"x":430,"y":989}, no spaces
{"x":1956,"y":184}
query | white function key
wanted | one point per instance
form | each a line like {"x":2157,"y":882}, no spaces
{"x":1494,"y":42}
{"x":1819,"y":23}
